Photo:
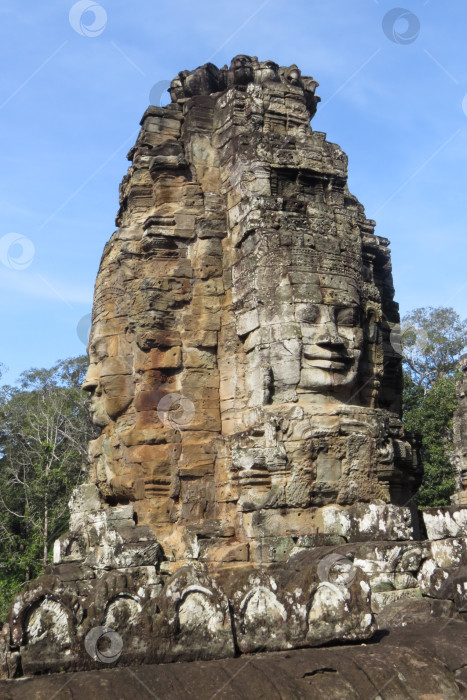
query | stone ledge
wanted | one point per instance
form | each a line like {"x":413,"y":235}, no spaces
{"x":446,"y":521}
{"x":369,"y":522}
{"x":391,"y":667}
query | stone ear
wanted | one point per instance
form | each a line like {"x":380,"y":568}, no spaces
{"x":371,"y":327}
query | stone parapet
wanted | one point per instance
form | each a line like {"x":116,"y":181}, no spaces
{"x":445,"y":521}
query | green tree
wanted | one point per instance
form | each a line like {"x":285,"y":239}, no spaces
{"x":44,"y":430}
{"x":432,"y":341}
{"x":430,"y":415}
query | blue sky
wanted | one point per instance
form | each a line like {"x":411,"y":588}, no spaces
{"x":70,"y":106}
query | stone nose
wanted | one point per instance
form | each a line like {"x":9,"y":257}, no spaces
{"x":329,"y":333}
{"x":329,"y":337}
{"x":91,"y":380}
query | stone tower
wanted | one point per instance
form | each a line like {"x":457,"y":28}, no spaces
{"x":240,"y":351}
{"x":243,"y":375}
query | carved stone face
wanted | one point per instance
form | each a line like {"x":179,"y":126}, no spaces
{"x":293,"y":75}
{"x":242,"y":67}
{"x":109,"y":379}
{"x":332,"y":337}
{"x":267,"y":71}
{"x":309,"y":310}
{"x":202,"y":81}
{"x":176,"y":89}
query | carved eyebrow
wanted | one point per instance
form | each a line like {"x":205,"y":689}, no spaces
{"x":347,"y":313}
{"x":98,"y":347}
{"x":347,"y":308}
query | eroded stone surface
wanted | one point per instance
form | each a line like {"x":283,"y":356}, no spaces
{"x":445,"y":522}
{"x":373,"y":521}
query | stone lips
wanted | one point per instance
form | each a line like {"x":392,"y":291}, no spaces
{"x":242,"y":375}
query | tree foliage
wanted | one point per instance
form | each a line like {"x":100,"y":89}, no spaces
{"x":430,"y":415}
{"x":44,"y":430}
{"x":432,"y":341}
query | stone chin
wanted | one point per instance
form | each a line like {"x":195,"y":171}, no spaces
{"x":105,"y":410}
{"x":99,"y":416}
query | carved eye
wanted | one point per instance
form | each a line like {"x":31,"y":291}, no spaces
{"x":98,"y":350}
{"x":349,"y":316}
{"x":310,"y":314}
{"x":93,"y":353}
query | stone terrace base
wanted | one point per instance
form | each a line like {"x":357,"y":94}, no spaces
{"x":418,"y":661}
{"x":340,"y":586}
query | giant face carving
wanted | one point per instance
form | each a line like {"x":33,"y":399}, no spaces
{"x":242,"y":68}
{"x":311,"y":317}
{"x":332,"y":341}
{"x":267,"y":71}
{"x":109,"y":378}
{"x":110,"y":383}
